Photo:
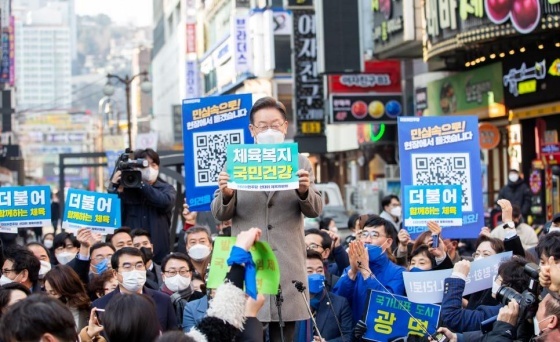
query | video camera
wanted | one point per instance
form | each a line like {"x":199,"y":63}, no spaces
{"x":131,"y":177}
{"x":527,"y":300}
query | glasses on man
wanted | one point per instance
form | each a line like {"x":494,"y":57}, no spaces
{"x":274,"y":126}
{"x":7,"y":271}
{"x":139,"y":266}
{"x":372,"y":234}
{"x":313,"y":246}
{"x":100,"y":258}
{"x":182,"y":272}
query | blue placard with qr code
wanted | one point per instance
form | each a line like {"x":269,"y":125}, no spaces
{"x":210,"y":124}
{"x":443,"y":151}
{"x":24,"y":206}
{"x":391,"y":316}
{"x":97,"y":211}
{"x":439,"y":203}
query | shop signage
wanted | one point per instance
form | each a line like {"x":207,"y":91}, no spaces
{"x":364,"y":108}
{"x":531,"y":78}
{"x":378,"y":76}
{"x":472,"y":21}
{"x":298,"y":4}
{"x":489,"y":136}
{"x":308,"y":86}
{"x":388,"y":24}
{"x":191,"y":38}
{"x":240,"y":43}
{"x":473,"y":92}
{"x":420,"y":100}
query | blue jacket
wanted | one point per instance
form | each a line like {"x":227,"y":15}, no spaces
{"x":326,"y":321}
{"x":194,"y":312}
{"x":164,"y":308}
{"x":453,"y":315}
{"x":355,"y":291}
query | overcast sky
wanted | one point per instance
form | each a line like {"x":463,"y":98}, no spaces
{"x":137,"y":12}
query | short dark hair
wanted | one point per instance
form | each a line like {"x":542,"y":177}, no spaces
{"x":98,"y":245}
{"x":197,"y":229}
{"x":496,"y":244}
{"x":376,"y":221}
{"x":513,"y":273}
{"x":326,"y":238}
{"x":267,"y":102}
{"x":325,"y":222}
{"x":141,"y":232}
{"x":311,"y":254}
{"x":176,"y":256}
{"x":123,"y":229}
{"x":549,"y":245}
{"x":147,"y":153}
{"x":34,"y":243}
{"x":515,"y":211}
{"x":6,"y":293}
{"x":66,"y":282}
{"x":139,"y":324}
{"x":59,"y":240}
{"x":39,"y":314}
{"x":23,"y":259}
{"x":125,"y":251}
{"x":424,"y":250}
{"x":385,"y":201}
{"x":352,"y":221}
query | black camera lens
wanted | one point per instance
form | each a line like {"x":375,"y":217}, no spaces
{"x":506,"y":294}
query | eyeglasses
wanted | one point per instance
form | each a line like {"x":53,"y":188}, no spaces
{"x":181,"y":272}
{"x":372,"y":234}
{"x":139,"y":266}
{"x":6,"y":271}
{"x":100,"y":258}
{"x":313,"y":246}
{"x":275,"y":127}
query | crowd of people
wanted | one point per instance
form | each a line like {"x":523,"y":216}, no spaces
{"x":138,"y":285}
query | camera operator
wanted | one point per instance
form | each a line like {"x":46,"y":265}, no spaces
{"x":147,"y":204}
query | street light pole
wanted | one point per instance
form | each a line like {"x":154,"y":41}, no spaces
{"x":109,"y":90}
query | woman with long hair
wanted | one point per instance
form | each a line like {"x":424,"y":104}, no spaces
{"x":63,"y":283}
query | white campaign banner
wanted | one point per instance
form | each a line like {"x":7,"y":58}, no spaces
{"x":427,"y":287}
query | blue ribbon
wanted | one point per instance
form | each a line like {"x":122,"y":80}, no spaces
{"x":240,"y":256}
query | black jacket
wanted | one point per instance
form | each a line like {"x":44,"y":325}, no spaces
{"x":150,"y":208}
{"x":517,"y":193}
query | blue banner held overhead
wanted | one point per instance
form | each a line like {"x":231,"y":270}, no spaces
{"x":391,"y":316}
{"x":99,"y":212}
{"x":443,"y":152}
{"x":210,"y":124}
{"x":23,"y":207}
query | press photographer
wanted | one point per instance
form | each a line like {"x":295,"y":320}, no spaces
{"x":147,"y":201}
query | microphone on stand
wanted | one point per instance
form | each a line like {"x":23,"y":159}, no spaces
{"x":301,"y":289}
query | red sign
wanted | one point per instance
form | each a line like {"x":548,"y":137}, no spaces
{"x":379,"y":77}
{"x":191,"y":38}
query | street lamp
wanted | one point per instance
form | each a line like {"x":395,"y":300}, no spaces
{"x":145,"y":86}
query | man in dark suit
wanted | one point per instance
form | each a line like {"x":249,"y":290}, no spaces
{"x":327,"y":308}
{"x":142,"y":240}
{"x":130,"y":270}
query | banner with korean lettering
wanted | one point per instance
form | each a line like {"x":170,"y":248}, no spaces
{"x":241,"y":46}
{"x":210,"y":124}
{"x":391,"y":316}
{"x":427,"y":287}
{"x":443,"y":151}
{"x":24,"y":206}
{"x":263,"y":167}
{"x":439,"y":203}
{"x":93,"y":210}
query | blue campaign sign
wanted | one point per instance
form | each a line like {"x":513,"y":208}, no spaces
{"x":210,"y":124}
{"x":390,"y":316}
{"x":438,"y":203}
{"x":24,"y":206}
{"x":93,"y":210}
{"x":443,"y":151}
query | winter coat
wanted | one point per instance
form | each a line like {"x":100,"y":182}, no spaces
{"x":280,"y":216}
{"x":517,"y":193}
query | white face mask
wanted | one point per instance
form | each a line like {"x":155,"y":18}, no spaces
{"x":513,"y":177}
{"x":270,"y":136}
{"x":177,"y":282}
{"x":65,"y":257}
{"x":536,"y":325}
{"x":48,"y":243}
{"x":553,"y":229}
{"x":45,"y":267}
{"x":495,"y":288}
{"x":396,"y":211}
{"x":149,"y":174}
{"x":134,"y":280}
{"x":199,"y":252}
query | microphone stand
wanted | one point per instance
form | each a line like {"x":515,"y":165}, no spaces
{"x":279,"y":300}
{"x":299,"y":286}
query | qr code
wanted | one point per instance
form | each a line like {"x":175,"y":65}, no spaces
{"x":209,"y":151}
{"x":444,"y":169}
